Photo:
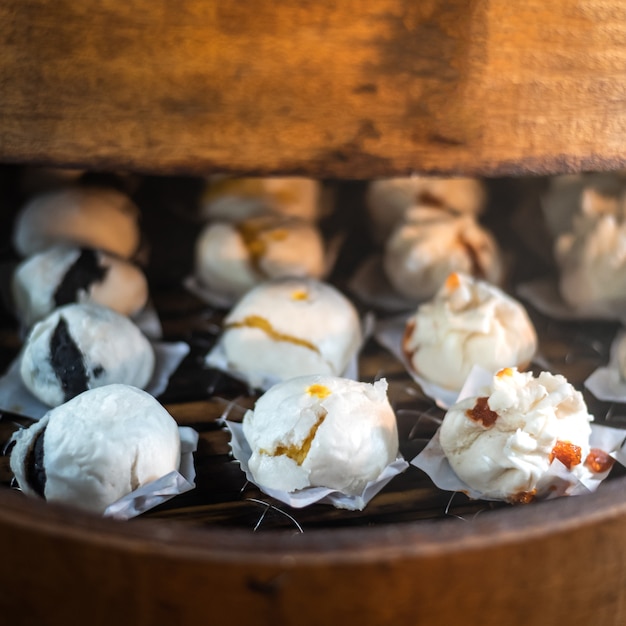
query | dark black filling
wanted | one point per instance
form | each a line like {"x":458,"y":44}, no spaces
{"x":67,"y":361}
{"x":34,"y":463}
{"x":83,"y":272}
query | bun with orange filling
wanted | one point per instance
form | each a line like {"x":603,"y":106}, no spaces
{"x":233,"y":257}
{"x":321,"y":431}
{"x":504,"y":442}
{"x":468,"y":322}
{"x":291,"y":327}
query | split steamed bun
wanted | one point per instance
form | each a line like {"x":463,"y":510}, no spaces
{"x":503,"y":442}
{"x":92,"y":217}
{"x":563,"y":199}
{"x":82,"y":346}
{"x":233,"y":257}
{"x":233,"y":199}
{"x":388,"y":199}
{"x":321,"y":431}
{"x":619,"y":352}
{"x":592,"y":256}
{"x":291,"y":327}
{"x":431,"y":243}
{"x":468,"y":322}
{"x":61,"y":274}
{"x":96,"y":448}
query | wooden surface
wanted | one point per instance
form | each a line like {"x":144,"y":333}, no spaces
{"x":350,"y":89}
{"x":222,"y":554}
{"x":549,"y":564}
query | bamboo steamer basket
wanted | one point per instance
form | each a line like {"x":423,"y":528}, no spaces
{"x":529,"y":566}
{"x":354,"y":91}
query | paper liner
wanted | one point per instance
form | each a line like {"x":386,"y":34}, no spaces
{"x":434,"y":463}
{"x":163,"y":489}
{"x":371,"y":286}
{"x":148,"y":322}
{"x":544,"y":295}
{"x":312,"y":495}
{"x":16,"y":398}
{"x":606,"y":383}
{"x":389,"y":334}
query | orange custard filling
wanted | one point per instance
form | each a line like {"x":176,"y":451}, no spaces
{"x":256,"y":321}
{"x":242,"y":187}
{"x":568,"y":453}
{"x":453,"y":281}
{"x":319,"y":391}
{"x":298,"y":452}
{"x":300,"y":294}
{"x":256,"y":233}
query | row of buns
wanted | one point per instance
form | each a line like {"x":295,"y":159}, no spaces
{"x":288,"y":333}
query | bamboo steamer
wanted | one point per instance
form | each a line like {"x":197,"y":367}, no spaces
{"x":537,"y":565}
{"x":540,"y":563}
{"x":356,"y":90}
{"x":351,"y":89}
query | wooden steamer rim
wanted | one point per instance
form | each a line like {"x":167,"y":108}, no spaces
{"x":345,"y":90}
{"x":497,"y":528}
{"x":526,"y":565}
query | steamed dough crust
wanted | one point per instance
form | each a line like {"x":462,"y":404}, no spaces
{"x":114,"y":350}
{"x":276,"y":247}
{"x":389,"y":199}
{"x":124,"y":287}
{"x":232,"y":199}
{"x":341,"y":440}
{"x":468,"y":322}
{"x":508,"y":459}
{"x":431,"y":243}
{"x":100,"y":446}
{"x":87,"y":216}
{"x":592,"y":256}
{"x":316,"y":334}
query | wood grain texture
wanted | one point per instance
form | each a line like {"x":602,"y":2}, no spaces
{"x":351,"y":89}
{"x":548,"y":564}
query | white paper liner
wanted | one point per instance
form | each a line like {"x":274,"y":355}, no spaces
{"x":389,"y":333}
{"x":216,"y":358}
{"x":163,"y":489}
{"x":148,"y":322}
{"x":371,"y":286}
{"x":312,"y":495}
{"x":16,"y":398}
{"x":606,"y":383}
{"x":434,"y":463}
{"x":544,"y":295}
